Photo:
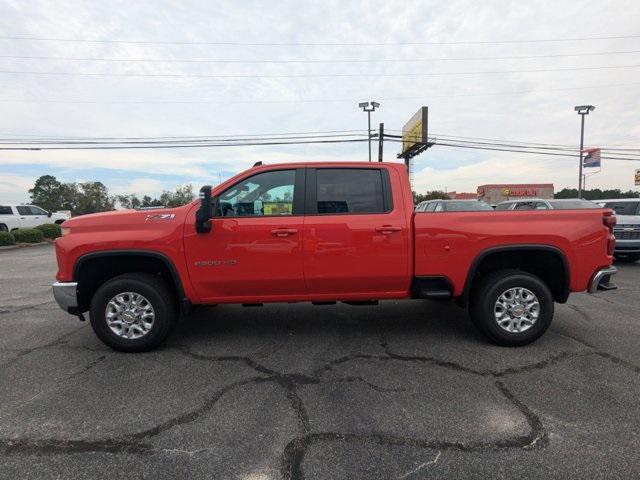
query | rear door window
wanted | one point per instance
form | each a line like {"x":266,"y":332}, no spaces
{"x":525,"y":206}
{"x":350,"y":190}
{"x":4,"y":210}
{"x":24,"y":210}
{"x":504,"y":206}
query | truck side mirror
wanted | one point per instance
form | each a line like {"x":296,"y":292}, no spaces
{"x":205,"y":211}
{"x":49,"y":214}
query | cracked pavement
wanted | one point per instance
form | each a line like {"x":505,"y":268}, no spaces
{"x":405,"y":390}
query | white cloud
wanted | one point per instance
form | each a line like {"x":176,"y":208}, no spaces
{"x":502,"y":169}
{"x":13,"y":188}
{"x":139,"y":186}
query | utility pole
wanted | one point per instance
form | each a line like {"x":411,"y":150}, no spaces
{"x":582,"y":111}
{"x":380,"y":141}
{"x":369,"y":107}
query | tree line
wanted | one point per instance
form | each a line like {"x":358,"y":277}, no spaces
{"x":597,"y":194}
{"x":92,"y":197}
{"x":594,"y":194}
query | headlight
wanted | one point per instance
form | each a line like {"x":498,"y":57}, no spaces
{"x":66,"y":231}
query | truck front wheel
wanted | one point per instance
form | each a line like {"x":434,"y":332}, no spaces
{"x":133,"y":312}
{"x":511,"y":307}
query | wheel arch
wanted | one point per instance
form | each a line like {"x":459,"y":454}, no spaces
{"x":547,"y":262}
{"x":93,"y":269}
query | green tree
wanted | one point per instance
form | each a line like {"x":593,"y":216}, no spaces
{"x":46,"y":193}
{"x":147,"y":201}
{"x":93,"y":197}
{"x":129,"y":201}
{"x":181,"y":196}
{"x":597,"y":194}
{"x":432,"y":195}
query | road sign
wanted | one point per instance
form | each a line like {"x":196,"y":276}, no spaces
{"x":592,"y":158}
{"x":638,"y":176}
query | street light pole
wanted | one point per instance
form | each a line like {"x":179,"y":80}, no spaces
{"x":369,"y":107}
{"x":582,"y":111}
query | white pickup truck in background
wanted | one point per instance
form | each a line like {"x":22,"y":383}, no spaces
{"x":27,"y":216}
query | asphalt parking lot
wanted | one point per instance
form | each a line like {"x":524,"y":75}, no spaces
{"x":405,"y":390}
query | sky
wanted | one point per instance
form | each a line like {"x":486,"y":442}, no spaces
{"x":133,"y":39}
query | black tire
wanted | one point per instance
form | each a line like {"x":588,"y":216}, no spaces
{"x":158,"y":294}
{"x":486,"y":294}
{"x":627,"y":257}
{"x":3,"y":228}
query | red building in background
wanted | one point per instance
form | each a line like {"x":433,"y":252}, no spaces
{"x":499,"y":192}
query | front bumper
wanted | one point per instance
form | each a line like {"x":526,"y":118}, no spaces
{"x":627,"y":246}
{"x":66,"y":294}
{"x":602,"y":280}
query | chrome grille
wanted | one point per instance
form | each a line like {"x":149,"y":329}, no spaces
{"x":627,"y":232}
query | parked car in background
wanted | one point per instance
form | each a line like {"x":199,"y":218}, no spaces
{"x":627,"y":230}
{"x":14,"y":216}
{"x":546,"y":204}
{"x":452,"y":206}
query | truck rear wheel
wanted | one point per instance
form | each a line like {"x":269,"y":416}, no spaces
{"x":511,"y":307}
{"x":133,"y":312}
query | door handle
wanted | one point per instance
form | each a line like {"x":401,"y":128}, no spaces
{"x":387,"y":229}
{"x":283,"y":232}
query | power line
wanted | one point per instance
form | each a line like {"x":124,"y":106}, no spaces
{"x":200,"y":145}
{"x":312,"y":61}
{"x":312,"y":75}
{"x":521,"y":142}
{"x":188,"y":140}
{"x":316,"y":44}
{"x":186,"y":137}
{"x":514,"y":150}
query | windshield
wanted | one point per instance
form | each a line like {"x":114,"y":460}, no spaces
{"x":624,"y":208}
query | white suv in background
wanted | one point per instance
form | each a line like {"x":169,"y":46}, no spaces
{"x":27,"y":216}
{"x":544,"y":204}
{"x":627,"y":229}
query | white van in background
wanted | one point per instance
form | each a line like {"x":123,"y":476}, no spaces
{"x":27,"y":216}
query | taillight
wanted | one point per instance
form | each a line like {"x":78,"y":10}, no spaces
{"x":609,"y":220}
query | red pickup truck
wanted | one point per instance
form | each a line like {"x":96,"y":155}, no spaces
{"x":322,"y":233}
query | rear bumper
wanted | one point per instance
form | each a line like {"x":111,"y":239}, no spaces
{"x":66,"y":294}
{"x":602,"y":280}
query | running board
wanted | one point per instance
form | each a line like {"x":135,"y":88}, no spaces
{"x":432,"y":288}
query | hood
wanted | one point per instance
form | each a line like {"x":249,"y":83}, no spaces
{"x":627,"y":219}
{"x":126,"y":217}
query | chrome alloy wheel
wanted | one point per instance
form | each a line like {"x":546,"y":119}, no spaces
{"x":516,"y":310}
{"x":130,"y":315}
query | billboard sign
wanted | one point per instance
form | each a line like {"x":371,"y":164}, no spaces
{"x":638,"y":176}
{"x":519,"y":192}
{"x":592,"y":158}
{"x":414,"y":133}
